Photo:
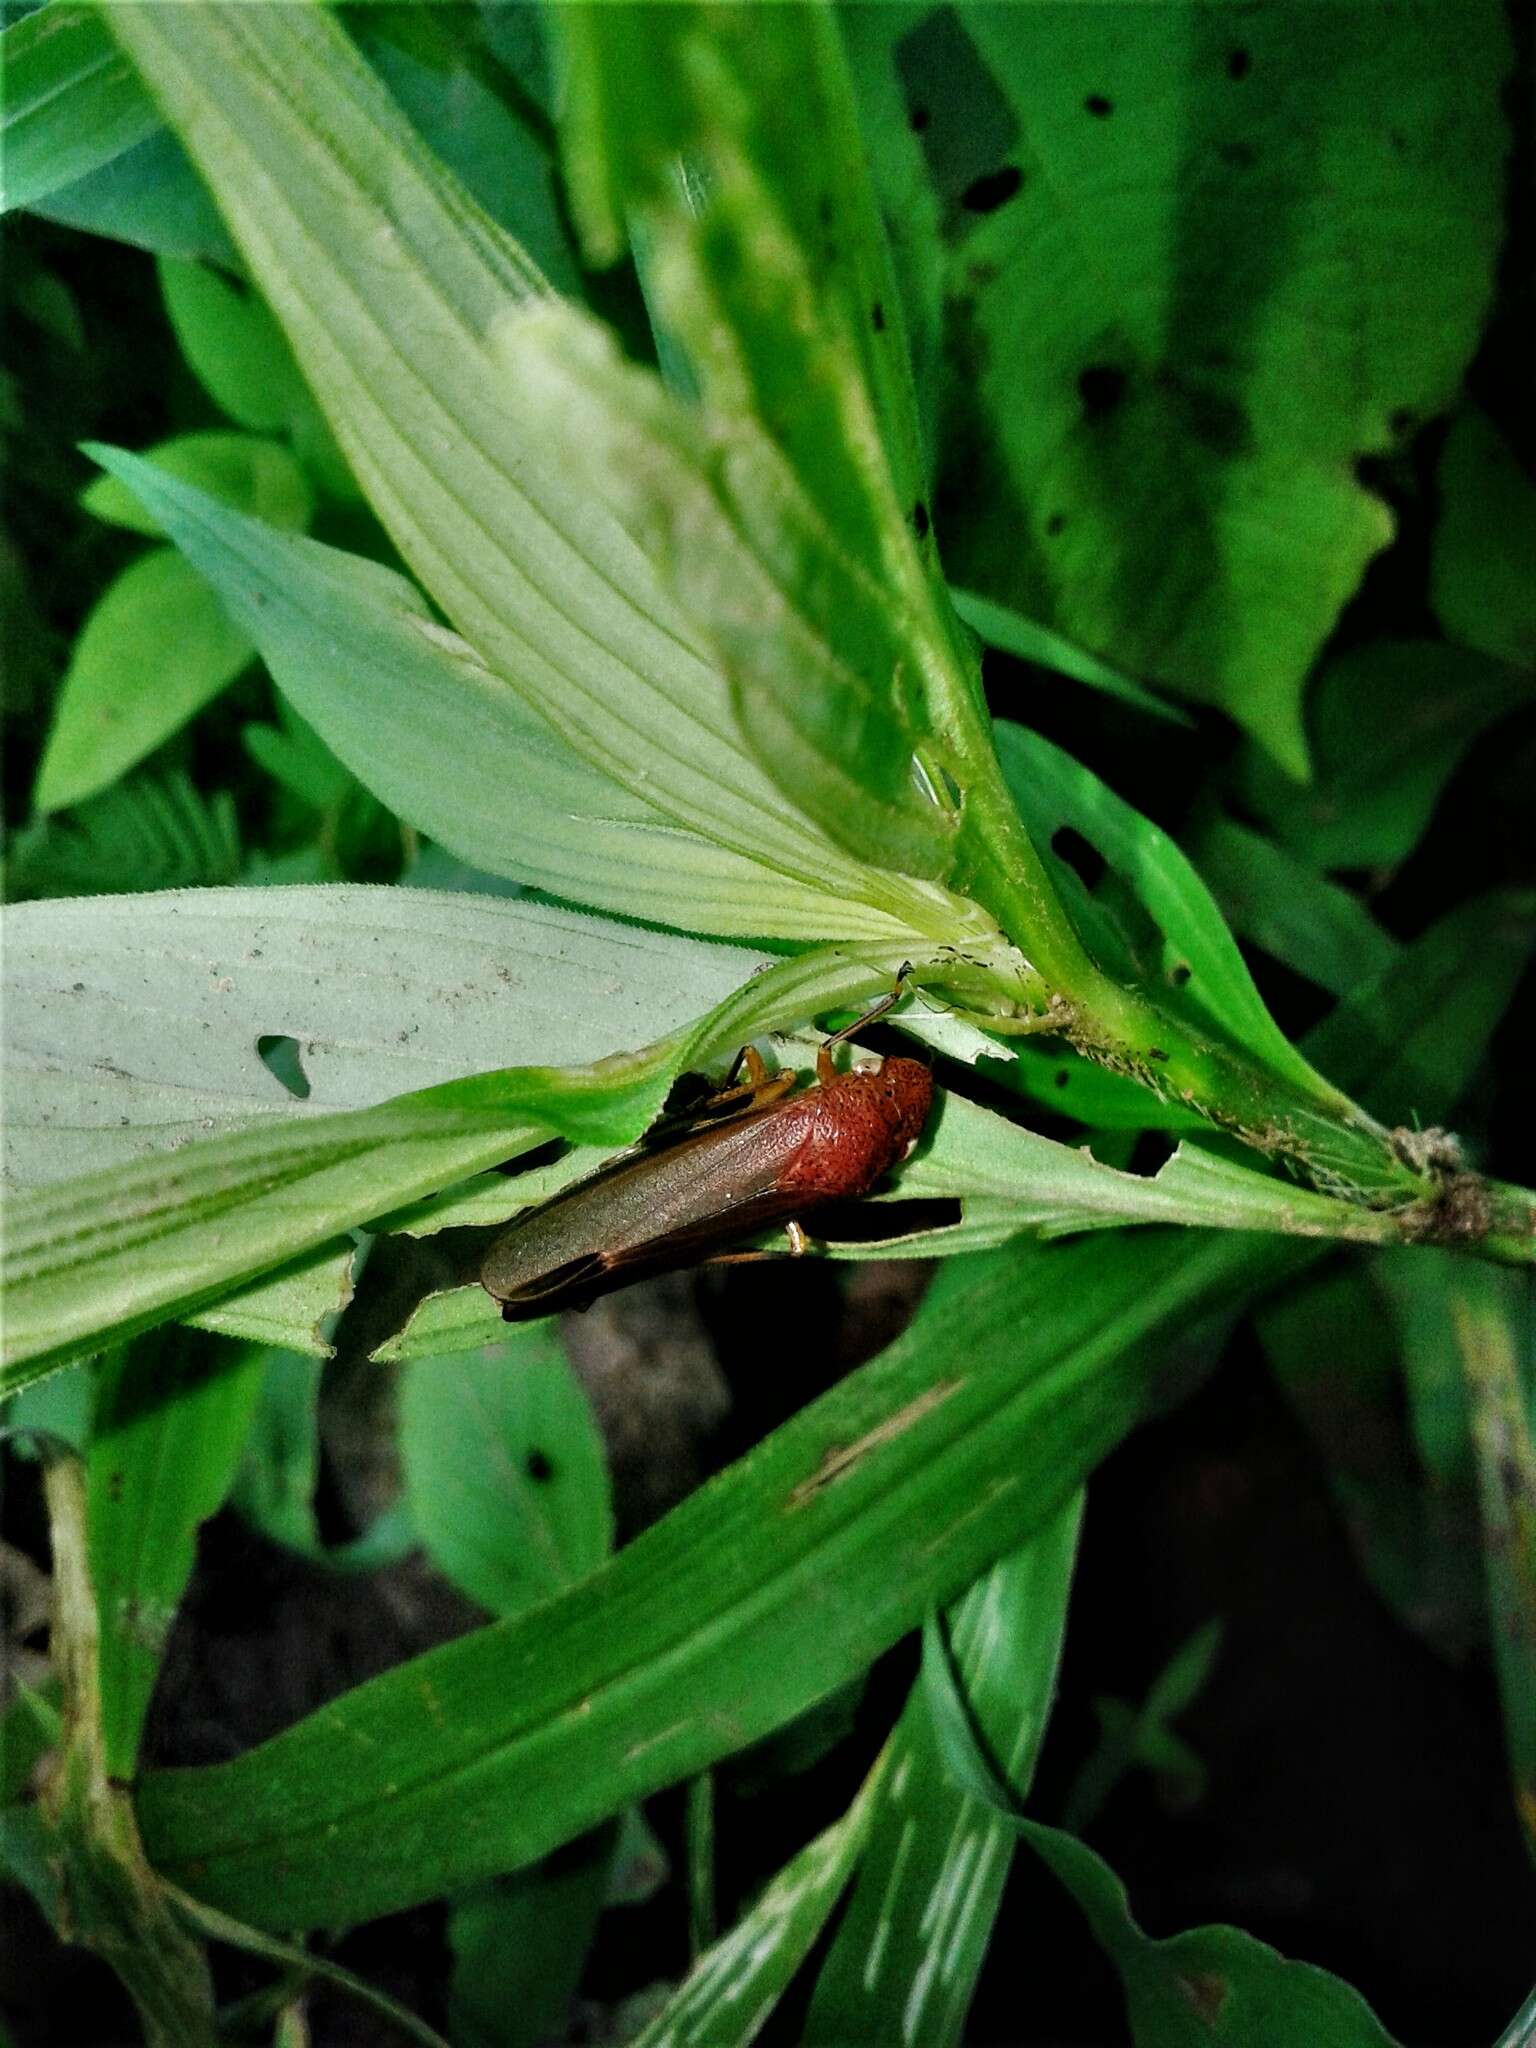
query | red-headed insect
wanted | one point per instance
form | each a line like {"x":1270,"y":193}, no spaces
{"x":752,"y":1156}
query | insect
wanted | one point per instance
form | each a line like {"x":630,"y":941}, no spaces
{"x":751,"y":1156}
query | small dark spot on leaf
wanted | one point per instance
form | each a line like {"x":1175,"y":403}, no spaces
{"x":1401,"y":422}
{"x":1398,"y":140}
{"x":114,"y":1486}
{"x":1239,"y":64}
{"x":1056,"y":524}
{"x":918,"y":119}
{"x":278,"y":1052}
{"x":77,"y":988}
{"x":992,"y":189}
{"x":1098,"y":106}
{"x":1155,"y":1052}
{"x":981,"y":273}
{"x":1206,"y":1992}
{"x":824,"y":209}
{"x":118,"y":1784}
{"x":1101,"y":387}
{"x":1080,"y":854}
{"x":538,"y":1467}
{"x":1063,"y":1076}
{"x":1240,"y":156}
{"x":1180,"y":974}
{"x":920,"y":520}
{"x":877,"y":317}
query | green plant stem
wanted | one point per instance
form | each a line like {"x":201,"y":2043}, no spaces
{"x":112,"y":1902}
{"x":1327,"y":1135}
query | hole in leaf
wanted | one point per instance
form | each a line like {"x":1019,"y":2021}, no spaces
{"x":278,"y":1052}
{"x":992,"y":189}
{"x":918,"y":119}
{"x":1239,"y":64}
{"x":1098,"y":106}
{"x":1056,"y":524}
{"x":1101,"y":387}
{"x":539,"y":1467}
{"x":1151,"y":1153}
{"x":1084,"y":858}
{"x":877,"y":317}
{"x":1180,"y":974}
{"x":920,"y":520}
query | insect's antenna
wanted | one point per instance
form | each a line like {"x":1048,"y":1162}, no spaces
{"x":876,"y":1010}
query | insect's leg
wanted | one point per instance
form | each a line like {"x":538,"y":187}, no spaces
{"x":759,"y":1088}
{"x":799,"y":1244}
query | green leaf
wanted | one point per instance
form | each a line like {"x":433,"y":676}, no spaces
{"x":1284,"y":906}
{"x":519,"y":1944}
{"x":376,"y":991}
{"x":170,"y":1422}
{"x":1412,"y":1038}
{"x":72,"y":102}
{"x":931,"y":1877}
{"x":887,"y":1495}
{"x":1164,"y":356}
{"x":1480,"y":567}
{"x":155,"y":647}
{"x":256,"y":477}
{"x":1140,"y":1735}
{"x":789,"y":513}
{"x":223,"y":1210}
{"x":1183,"y":945}
{"x":233,"y":345}
{"x":817,"y":661}
{"x":154,"y":831}
{"x":504,"y":1471}
{"x":149,"y":197}
{"x":731,"y":1990}
{"x":434,"y":61}
{"x":1211,"y":1984}
{"x":444,"y":742}
{"x":540,"y":582}
{"x":1390,"y":722}
{"x":1011,"y":633}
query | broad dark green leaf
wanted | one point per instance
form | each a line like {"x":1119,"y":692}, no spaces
{"x":1281,"y":903}
{"x":1212,"y":1984}
{"x":762,"y":1593}
{"x":170,"y":1422}
{"x":504,"y":1471}
{"x":1480,"y":570}
{"x":1388,"y":723}
{"x":1164,"y":356}
{"x":72,"y":102}
{"x":155,"y":647}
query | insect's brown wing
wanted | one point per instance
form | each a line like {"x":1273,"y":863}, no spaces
{"x":650,"y":1213}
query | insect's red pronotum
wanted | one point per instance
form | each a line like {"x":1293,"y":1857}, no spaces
{"x":753,"y":1156}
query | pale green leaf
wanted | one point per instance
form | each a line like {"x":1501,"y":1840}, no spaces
{"x":249,"y":475}
{"x":448,"y":745}
{"x":319,"y":175}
